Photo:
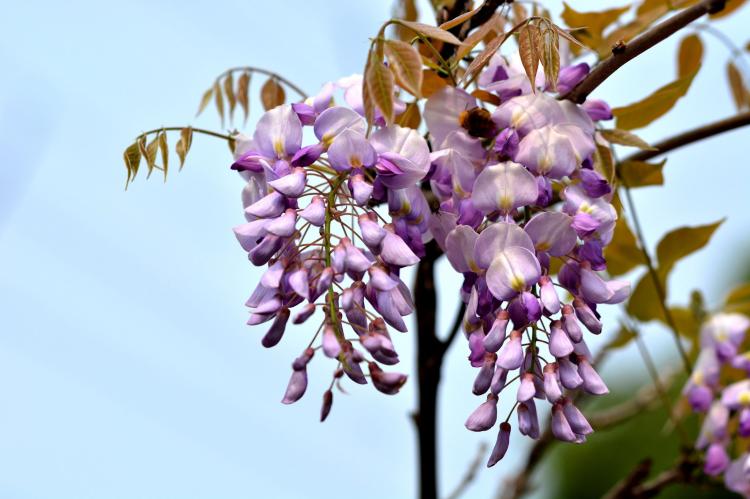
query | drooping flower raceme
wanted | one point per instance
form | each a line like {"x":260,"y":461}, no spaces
{"x":719,"y":387}
{"x":523,"y":214}
{"x":521,"y":201}
{"x":309,"y":222}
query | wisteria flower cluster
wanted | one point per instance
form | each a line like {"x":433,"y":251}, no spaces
{"x":726,"y":405}
{"x":520,"y":198}
{"x":310,"y":221}
{"x":519,"y":209}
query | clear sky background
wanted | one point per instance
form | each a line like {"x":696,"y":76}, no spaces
{"x":126,"y":368}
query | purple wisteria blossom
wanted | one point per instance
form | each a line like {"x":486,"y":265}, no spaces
{"x":719,"y":387}
{"x":515,"y":203}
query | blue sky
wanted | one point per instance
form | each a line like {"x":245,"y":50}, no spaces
{"x":126,"y":369}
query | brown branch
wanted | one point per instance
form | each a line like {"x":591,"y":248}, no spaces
{"x":691,"y":136}
{"x":429,"y":362}
{"x":621,"y":55}
{"x":455,"y":327}
{"x":636,"y":486}
{"x":471,"y":473}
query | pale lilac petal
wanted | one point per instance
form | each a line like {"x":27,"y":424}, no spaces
{"x":459,"y":248}
{"x":552,"y":233}
{"x":396,"y":252}
{"x":278,"y":133}
{"x":484,"y":417}
{"x":504,"y":187}
{"x":315,"y":212}
{"x":496,"y":238}
{"x":292,"y":185}
{"x":335,"y":120}
{"x":350,"y":149}
{"x":512,"y":271}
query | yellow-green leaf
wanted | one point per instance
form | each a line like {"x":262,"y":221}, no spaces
{"x":643,"y":112}
{"x":529,"y":49}
{"x":641,"y":173}
{"x":738,"y":299}
{"x":219,"y":101}
{"x":689,"y":56}
{"x":604,"y":162}
{"x":229,"y":92}
{"x":406,"y":64}
{"x":379,"y":81}
{"x":625,"y":138}
{"x":205,"y":100}
{"x":272,"y":94}
{"x":622,"y":253}
{"x":430,"y":31}
{"x":681,"y":242}
{"x":593,"y":24}
{"x":183,"y":144}
{"x":164,"y":149}
{"x":644,"y":303}
{"x":243,"y":91}
{"x":624,"y":336}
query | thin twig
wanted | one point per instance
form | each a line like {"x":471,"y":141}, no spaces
{"x":691,"y":136}
{"x":640,"y":44}
{"x":658,"y":286}
{"x":455,"y":327}
{"x":196,"y":130}
{"x":471,"y":473}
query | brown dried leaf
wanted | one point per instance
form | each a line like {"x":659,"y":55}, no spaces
{"x":132,"y":157}
{"x":183,"y":144}
{"x":379,"y":82}
{"x":411,"y":117}
{"x":431,"y":83}
{"x":229,"y":92}
{"x":460,"y":19}
{"x":430,"y":31}
{"x":486,"y":96}
{"x":494,"y":25}
{"x":484,"y":57}
{"x":550,"y":56}
{"x":151,"y":150}
{"x":407,"y":10}
{"x":728,"y":9}
{"x":529,"y":48}
{"x":737,"y":85}
{"x":272,"y":94}
{"x":205,"y":100}
{"x":689,"y":55}
{"x":219,"y":101}
{"x":164,"y":149}
{"x":406,"y":65}
{"x":243,"y":92}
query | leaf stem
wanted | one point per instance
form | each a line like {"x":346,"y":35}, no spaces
{"x":253,"y":69}
{"x":218,"y":135}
